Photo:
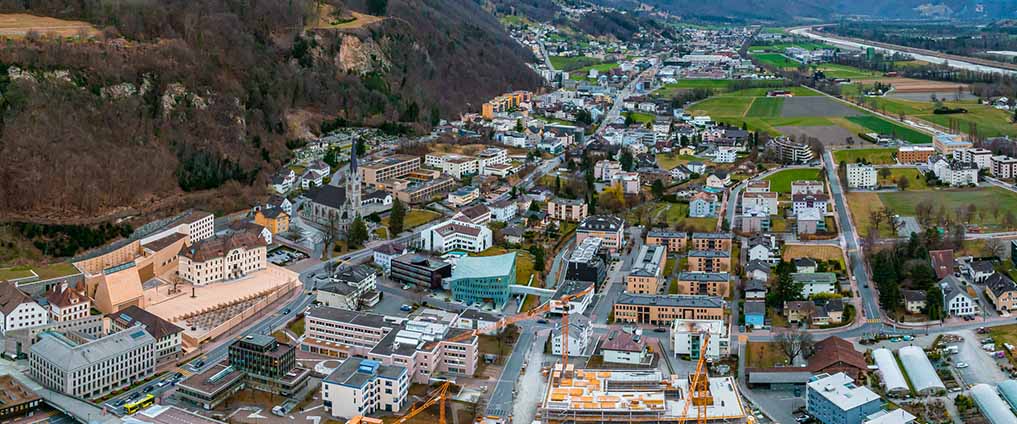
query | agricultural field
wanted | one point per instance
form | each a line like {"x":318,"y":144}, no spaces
{"x":872,"y":156}
{"x":882,"y":126}
{"x":781,"y":47}
{"x":833,"y":70}
{"x":570,"y":63}
{"x":776,"y":60}
{"x":722,"y":106}
{"x":765,"y":107}
{"x":795,"y":107}
{"x":19,"y":24}
{"x":761,"y":91}
{"x":780,"y":182}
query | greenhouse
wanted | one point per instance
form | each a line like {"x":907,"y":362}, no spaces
{"x":991,"y":405}
{"x":923,"y":376}
{"x":892,"y":378}
{"x":1008,"y":389}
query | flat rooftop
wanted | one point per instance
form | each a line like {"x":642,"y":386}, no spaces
{"x":618,"y":395}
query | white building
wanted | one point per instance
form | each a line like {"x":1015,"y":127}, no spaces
{"x":687,"y":336}
{"x":503,"y":211}
{"x":18,"y":311}
{"x":351,"y":287}
{"x":726,"y":155}
{"x":956,"y":300}
{"x":760,"y":252}
{"x":364,"y":387}
{"x":861,"y":176}
{"x":625,"y":348}
{"x":764,"y":201}
{"x":67,"y":303}
{"x":982,"y":158}
{"x":95,"y":368}
{"x":166,"y":334}
{"x":197,"y":225}
{"x":384,"y":254}
{"x":800,"y":202}
{"x":455,"y":165}
{"x":1004,"y":167}
{"x":456,"y":234}
{"x":578,"y":305}
{"x":580,"y":333}
{"x":807,"y":187}
{"x":955,"y":173}
{"x":223,"y":258}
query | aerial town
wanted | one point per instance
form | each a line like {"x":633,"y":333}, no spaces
{"x":703,"y":223}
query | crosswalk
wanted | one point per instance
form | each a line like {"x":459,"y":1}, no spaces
{"x":873,"y":320}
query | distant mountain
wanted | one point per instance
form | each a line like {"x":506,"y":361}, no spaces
{"x":799,"y":10}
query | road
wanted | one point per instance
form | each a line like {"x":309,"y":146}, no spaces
{"x":870,"y":303}
{"x":619,"y":100}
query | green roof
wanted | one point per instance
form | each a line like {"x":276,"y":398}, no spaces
{"x":484,"y":266}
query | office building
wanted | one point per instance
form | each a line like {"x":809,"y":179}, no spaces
{"x":16,"y":400}
{"x":911,"y":154}
{"x":91,"y":369}
{"x":483,"y":279}
{"x":420,"y":270}
{"x":836,"y":399}
{"x":388,"y":168}
{"x":664,"y":309}
{"x":456,"y":234}
{"x":222,"y":258}
{"x":364,"y":387}
{"x":610,"y":229}
{"x":165,"y":333}
{"x":268,"y":365}
{"x":212,"y":387}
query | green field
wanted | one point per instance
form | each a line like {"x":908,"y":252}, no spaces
{"x":570,"y":63}
{"x":776,"y":59}
{"x":873,"y":156}
{"x":581,"y":73}
{"x":641,"y":117}
{"x":985,"y":200}
{"x":669,"y":90}
{"x":882,"y":126}
{"x":915,"y":178}
{"x":781,"y":47}
{"x":780,"y":182}
{"x":44,"y":272}
{"x":988,"y":121}
{"x":765,"y":107}
{"x":664,"y":161}
{"x":832,"y":70}
{"x":723,"y":106}
{"x":761,"y":91}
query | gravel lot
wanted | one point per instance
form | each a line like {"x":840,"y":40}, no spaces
{"x":981,"y":367}
{"x":798,"y":107}
{"x":830,"y":135}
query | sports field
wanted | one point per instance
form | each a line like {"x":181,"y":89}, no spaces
{"x":882,"y":126}
{"x":765,"y":107}
{"x":780,"y":182}
{"x":872,"y":156}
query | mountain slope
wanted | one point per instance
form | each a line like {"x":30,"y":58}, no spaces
{"x":191,"y":102}
{"x":791,"y":10}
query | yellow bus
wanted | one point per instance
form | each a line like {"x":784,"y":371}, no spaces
{"x":144,"y":402}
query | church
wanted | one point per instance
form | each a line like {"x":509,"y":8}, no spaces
{"x":336,"y":205}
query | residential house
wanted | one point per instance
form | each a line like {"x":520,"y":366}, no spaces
{"x":625,"y":348}
{"x":688,"y":337}
{"x":805,"y":265}
{"x":275,"y":220}
{"x":979,"y":271}
{"x":1001,"y":291}
{"x":761,"y":248}
{"x":914,"y":300}
{"x":502,"y":211}
{"x":766,"y":201}
{"x":68,"y":303}
{"x":282,"y":181}
{"x":816,"y":282}
{"x":835,"y":399}
{"x":757,"y":270}
{"x":696,"y":167}
{"x":809,"y":201}
{"x":704,"y":205}
{"x":718,"y":179}
{"x":956,"y":299}
{"x":350,"y":287}
{"x":18,"y":311}
{"x":943,"y":262}
{"x":755,"y":290}
{"x":754,"y":220}
{"x":755,"y":313}
{"x":477,"y":214}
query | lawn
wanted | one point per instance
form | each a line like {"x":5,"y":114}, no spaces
{"x":780,"y":182}
{"x":415,"y":218}
{"x":1005,"y":334}
{"x":641,"y":117}
{"x":581,"y":73}
{"x":882,"y":126}
{"x":669,"y":90}
{"x":872,"y":156}
{"x":914,"y":177}
{"x":16,"y":273}
{"x":569,"y":63}
{"x":524,"y":264}
{"x":674,"y":213}
{"x":666,"y":161}
{"x":722,"y":106}
{"x":776,"y":59}
{"x":765,"y":107}
{"x":984,"y":198}
{"x":763,"y":355}
{"x":45,"y":272}
{"x":814,"y":251}
{"x":832,"y":70}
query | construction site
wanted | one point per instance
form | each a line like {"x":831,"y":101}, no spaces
{"x":646,"y":396}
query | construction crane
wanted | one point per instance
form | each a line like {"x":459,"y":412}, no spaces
{"x":439,"y":396}
{"x":699,"y":387}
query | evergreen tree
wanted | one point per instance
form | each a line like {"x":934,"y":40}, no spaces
{"x":396,"y":218}
{"x":934,"y":303}
{"x":358,"y":233}
{"x":628,"y":162}
{"x":557,"y":184}
{"x":658,"y":189}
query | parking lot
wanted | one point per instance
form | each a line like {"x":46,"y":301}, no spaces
{"x":981,"y":366}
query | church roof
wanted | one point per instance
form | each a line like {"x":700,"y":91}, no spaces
{"x":329,"y":195}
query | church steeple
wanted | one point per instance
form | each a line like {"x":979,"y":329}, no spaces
{"x":353,"y":157}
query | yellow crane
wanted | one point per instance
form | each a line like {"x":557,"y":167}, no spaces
{"x":438,"y":396}
{"x":699,"y":387}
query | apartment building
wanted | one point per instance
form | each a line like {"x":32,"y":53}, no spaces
{"x":166,"y":334}
{"x":709,"y":261}
{"x":807,"y":187}
{"x":674,"y":241}
{"x":608,"y":228}
{"x":420,"y":186}
{"x":956,"y":173}
{"x":420,"y":343}
{"x":363,"y":387}
{"x":18,"y":311}
{"x":1004,"y":167}
{"x":764,"y":201}
{"x":982,"y":158}
{"x":457,"y":166}
{"x":704,"y":283}
{"x":196,"y":225}
{"x":664,"y":309}
{"x":946,"y":144}
{"x":388,"y":168}
{"x":492,"y":156}
{"x":912,"y":154}
{"x":688,"y":335}
{"x":223,"y":258}
{"x":711,"y":241}
{"x":646,"y":276}
{"x":505,"y":103}
{"x":95,"y":368}
{"x":759,"y":186}
{"x":861,"y":176}
{"x":790,"y":151}
{"x":571,"y":210}
{"x":834,"y":399}
{"x":800,"y":202}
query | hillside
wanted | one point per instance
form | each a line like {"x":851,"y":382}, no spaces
{"x":183,"y":103}
{"x":786,"y":11}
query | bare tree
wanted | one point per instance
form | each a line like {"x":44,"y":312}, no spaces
{"x":903,"y":183}
{"x":995,"y":247}
{"x":794,"y":342}
{"x":875,"y":218}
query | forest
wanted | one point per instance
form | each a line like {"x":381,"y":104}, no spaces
{"x":180,"y":100}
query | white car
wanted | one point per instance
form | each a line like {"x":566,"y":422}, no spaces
{"x":961,"y":365}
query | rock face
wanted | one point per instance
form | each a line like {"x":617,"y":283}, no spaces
{"x":359,"y":57}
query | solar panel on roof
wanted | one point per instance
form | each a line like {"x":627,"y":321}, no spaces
{"x":126,"y":317}
{"x":138,"y":334}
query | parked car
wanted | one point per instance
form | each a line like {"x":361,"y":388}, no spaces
{"x":961,"y":365}
{"x":405,"y":308}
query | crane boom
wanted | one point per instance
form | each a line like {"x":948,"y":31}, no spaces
{"x":439,"y":396}
{"x":699,"y":387}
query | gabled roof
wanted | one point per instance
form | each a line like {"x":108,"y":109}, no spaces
{"x":913,"y":295}
{"x":942,"y":262}
{"x":759,"y":265}
{"x":1000,"y":284}
{"x":755,"y":286}
{"x":833,"y":350}
{"x":11,"y":297}
{"x":155,"y":326}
